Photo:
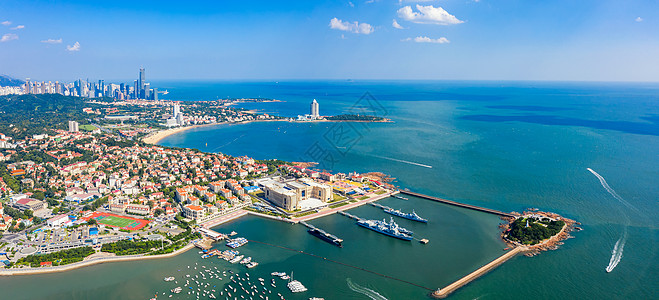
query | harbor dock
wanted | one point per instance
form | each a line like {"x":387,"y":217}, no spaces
{"x":443,"y":292}
{"x":205,"y":243}
{"x":478,"y":208}
{"x":350,"y":215}
{"x":380,"y":205}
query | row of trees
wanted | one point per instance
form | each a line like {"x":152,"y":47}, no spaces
{"x":96,"y":204}
{"x":126,"y":247}
{"x":58,"y":258}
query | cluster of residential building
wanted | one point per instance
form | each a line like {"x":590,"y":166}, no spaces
{"x":135,"y":179}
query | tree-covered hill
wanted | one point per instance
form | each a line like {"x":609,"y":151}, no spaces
{"x":25,"y":115}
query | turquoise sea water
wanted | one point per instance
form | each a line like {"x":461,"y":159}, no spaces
{"x":502,"y":145}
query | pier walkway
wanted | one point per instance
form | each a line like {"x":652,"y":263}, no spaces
{"x":442,"y":293}
{"x":211,"y":234}
{"x":478,"y":208}
{"x":350,"y":215}
{"x":380,"y":205}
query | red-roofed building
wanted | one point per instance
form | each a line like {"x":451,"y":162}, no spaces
{"x":194,"y":212}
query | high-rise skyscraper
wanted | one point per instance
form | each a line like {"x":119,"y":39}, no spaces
{"x":73,"y":126}
{"x":27,"y":86}
{"x":147,"y":91}
{"x":314,"y":109}
{"x":78,"y":87}
{"x":142,"y":82}
{"x":177,"y":110}
{"x":136,"y":89}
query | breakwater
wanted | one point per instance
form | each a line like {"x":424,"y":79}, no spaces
{"x":443,"y":292}
{"x":478,"y":208}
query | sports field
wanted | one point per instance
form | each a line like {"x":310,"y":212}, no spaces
{"x":122,"y":222}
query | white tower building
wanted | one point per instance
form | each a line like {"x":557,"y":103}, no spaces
{"x":73,"y":126}
{"x":314,"y":109}
{"x":177,"y":110}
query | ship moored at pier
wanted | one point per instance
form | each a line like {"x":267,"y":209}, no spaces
{"x":325,"y":236}
{"x":410,"y":216}
{"x":391,"y":229}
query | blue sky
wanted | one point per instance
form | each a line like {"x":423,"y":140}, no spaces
{"x":442,"y":39}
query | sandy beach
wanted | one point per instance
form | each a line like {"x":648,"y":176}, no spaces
{"x":158,"y":136}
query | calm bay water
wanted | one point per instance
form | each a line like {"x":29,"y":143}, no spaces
{"x":506,"y":146}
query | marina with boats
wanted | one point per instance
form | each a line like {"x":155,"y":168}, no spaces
{"x":388,"y":228}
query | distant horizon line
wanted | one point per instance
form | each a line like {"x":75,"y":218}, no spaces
{"x":340,"y":79}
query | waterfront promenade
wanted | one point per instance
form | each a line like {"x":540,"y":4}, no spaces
{"x":89,"y":261}
{"x":224,"y":218}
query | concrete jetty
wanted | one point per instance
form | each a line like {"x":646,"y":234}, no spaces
{"x":380,"y":205}
{"x":443,"y":292}
{"x":350,"y":215}
{"x":478,"y":208}
{"x":205,"y":243}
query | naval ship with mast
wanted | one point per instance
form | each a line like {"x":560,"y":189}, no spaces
{"x":391,"y":229}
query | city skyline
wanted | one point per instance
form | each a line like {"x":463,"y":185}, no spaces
{"x":445,"y":40}
{"x":139,"y":89}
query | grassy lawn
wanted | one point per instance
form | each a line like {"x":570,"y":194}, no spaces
{"x":363,"y":197}
{"x":305,"y":213}
{"x":338,"y":205}
{"x":380,"y":192}
{"x":337,"y":197}
{"x":87,"y":127}
{"x":115,"y":221}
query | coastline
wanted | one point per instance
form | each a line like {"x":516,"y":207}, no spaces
{"x":157,"y":136}
{"x":91,"y":262}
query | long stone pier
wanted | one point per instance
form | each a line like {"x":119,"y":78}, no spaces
{"x":443,"y":292}
{"x":483,"y":209}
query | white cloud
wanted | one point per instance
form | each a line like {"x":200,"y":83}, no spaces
{"x":639,"y":19}
{"x":75,"y":47}
{"x":428,"y":15}
{"x":52,"y":41}
{"x":425,"y":39}
{"x":351,"y":4}
{"x":396,"y":25}
{"x":354,"y":27}
{"x":6,"y":23}
{"x":8,"y":37}
{"x":18,"y":27}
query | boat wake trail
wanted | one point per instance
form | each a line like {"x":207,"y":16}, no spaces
{"x":616,"y":254}
{"x":365,"y":291}
{"x":227,"y":144}
{"x":404,"y":161}
{"x":611,"y":191}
